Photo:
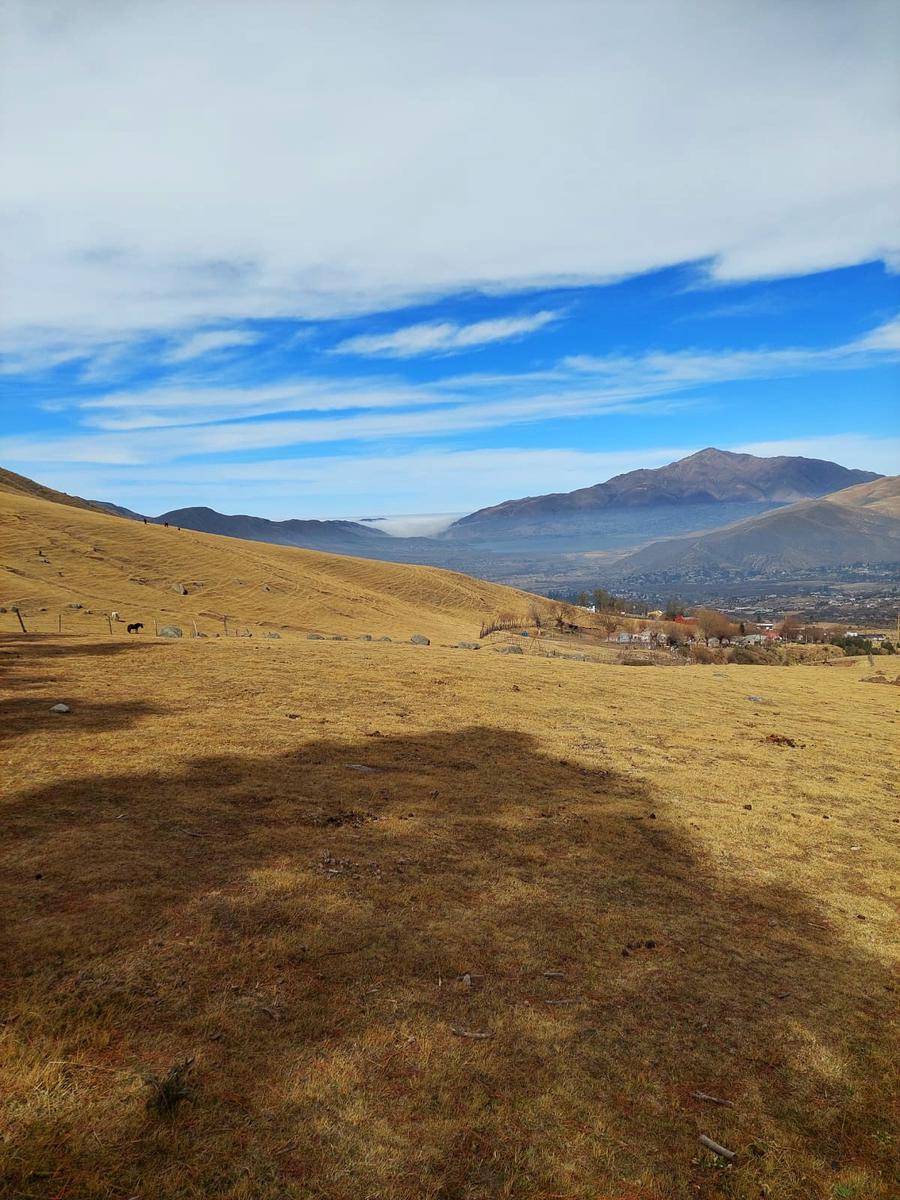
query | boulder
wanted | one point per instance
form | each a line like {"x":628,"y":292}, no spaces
{"x":365,"y":637}
{"x":419,"y":639}
{"x":470,"y":645}
{"x":384,"y":639}
{"x":314,"y":637}
{"x":60,"y":708}
{"x":180,"y":589}
{"x":510,"y":650}
{"x":170,"y":631}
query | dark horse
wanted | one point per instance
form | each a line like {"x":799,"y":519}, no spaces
{"x":136,"y":627}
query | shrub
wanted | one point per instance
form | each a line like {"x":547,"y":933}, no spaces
{"x":706,"y":656}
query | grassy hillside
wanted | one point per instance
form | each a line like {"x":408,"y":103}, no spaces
{"x":442,"y":926}
{"x":55,"y":555}
{"x":12,"y":484}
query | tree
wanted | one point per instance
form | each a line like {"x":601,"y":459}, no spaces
{"x":583,"y":600}
{"x":609,"y":623}
{"x":603,"y":600}
{"x":674,"y":608}
{"x":789,"y":628}
{"x":711,"y":623}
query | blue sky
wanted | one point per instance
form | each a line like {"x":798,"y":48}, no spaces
{"x":455,"y":260}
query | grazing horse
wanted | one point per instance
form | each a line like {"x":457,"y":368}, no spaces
{"x":136,"y":627}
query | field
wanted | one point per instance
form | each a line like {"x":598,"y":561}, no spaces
{"x":433,"y":923}
{"x":58,"y":555}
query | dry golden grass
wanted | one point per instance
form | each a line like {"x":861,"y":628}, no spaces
{"x":649,"y":898}
{"x":56,"y":555}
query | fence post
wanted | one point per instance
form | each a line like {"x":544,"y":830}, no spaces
{"x":21,"y":622}
{"x":59,"y":623}
{"x":109,"y":623}
{"x":225,"y":623}
{"x":156,"y":626}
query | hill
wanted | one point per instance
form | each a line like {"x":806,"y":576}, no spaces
{"x":709,"y":487}
{"x":12,"y":484}
{"x":858,"y":524}
{"x":345,"y":537}
{"x":61,"y":552}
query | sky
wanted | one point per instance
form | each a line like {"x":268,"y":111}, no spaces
{"x":307,"y":259}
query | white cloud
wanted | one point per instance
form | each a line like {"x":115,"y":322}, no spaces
{"x":172,"y":422}
{"x":165,"y":171}
{"x":443,"y":337}
{"x":209,"y":342}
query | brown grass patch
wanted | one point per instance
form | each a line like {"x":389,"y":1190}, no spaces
{"x":556,"y":854}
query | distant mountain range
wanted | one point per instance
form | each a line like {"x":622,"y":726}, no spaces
{"x":857,"y":524}
{"x":341,"y":537}
{"x":711,"y":513}
{"x":686,"y":495}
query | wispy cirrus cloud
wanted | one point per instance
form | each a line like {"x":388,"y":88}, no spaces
{"x":175,"y":422}
{"x":211,"y":341}
{"x":444,"y":337}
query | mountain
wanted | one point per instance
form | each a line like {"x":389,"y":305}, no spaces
{"x":118,"y":510}
{"x":858,"y":524}
{"x":345,"y":537}
{"x":60,"y":556}
{"x":711,"y":487}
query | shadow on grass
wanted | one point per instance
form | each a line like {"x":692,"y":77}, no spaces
{"x":304,"y":924}
{"x":18,"y":648}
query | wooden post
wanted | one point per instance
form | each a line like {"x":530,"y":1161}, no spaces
{"x":59,"y":623}
{"x":156,"y":626}
{"x":225,"y":623}
{"x":194,"y":623}
{"x":21,"y":622}
{"x":109,"y":623}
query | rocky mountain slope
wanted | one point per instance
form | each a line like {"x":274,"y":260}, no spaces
{"x":858,"y":524}
{"x":711,"y":487}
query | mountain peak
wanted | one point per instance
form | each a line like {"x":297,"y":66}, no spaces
{"x":708,"y":477}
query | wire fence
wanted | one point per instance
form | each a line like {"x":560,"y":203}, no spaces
{"x":86,"y":622}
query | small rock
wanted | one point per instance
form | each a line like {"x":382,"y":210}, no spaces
{"x":748,"y":807}
{"x":384,"y":639}
{"x":510,"y":650}
{"x":180,"y":589}
{"x":274,"y":636}
{"x":469,"y":645}
{"x":524,"y":633}
{"x":74,"y":604}
{"x":365,"y":637}
{"x":314,"y":637}
{"x":419,"y":639}
{"x":170,"y":631}
{"x":60,"y":708}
